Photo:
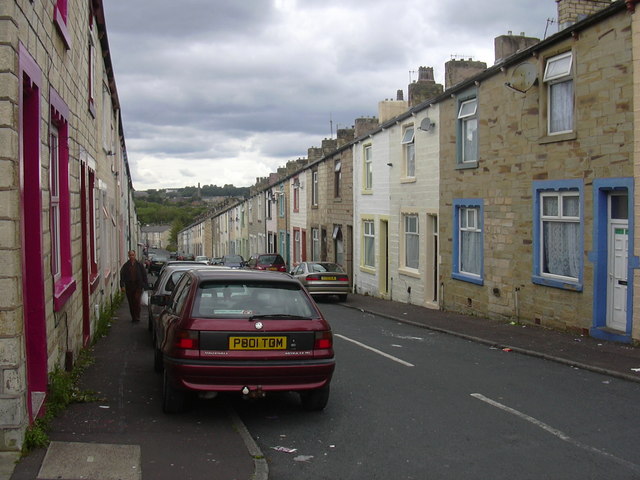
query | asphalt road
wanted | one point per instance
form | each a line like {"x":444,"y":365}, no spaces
{"x":410,"y":403}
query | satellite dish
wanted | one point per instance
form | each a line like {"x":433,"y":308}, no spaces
{"x":523,"y":77}
{"x":426,"y":124}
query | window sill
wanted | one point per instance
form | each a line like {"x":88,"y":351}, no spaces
{"x":466,"y":166}
{"x":561,"y":137}
{"x":467,"y":278}
{"x":366,"y":269}
{"x":548,"y":282}
{"x":93,"y":282}
{"x":62,"y":28}
{"x":366,"y":192}
{"x":64,"y":288}
{"x":409,"y":272}
{"x":408,"y":180}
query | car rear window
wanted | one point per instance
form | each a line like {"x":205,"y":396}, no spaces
{"x":244,"y":299}
{"x":269,"y":259}
{"x":325,"y":267}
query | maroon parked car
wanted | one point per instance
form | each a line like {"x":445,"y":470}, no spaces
{"x":267,"y":261}
{"x":242,"y":331}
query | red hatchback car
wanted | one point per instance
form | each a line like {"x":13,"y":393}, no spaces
{"x":242,"y":331}
{"x":267,"y":261}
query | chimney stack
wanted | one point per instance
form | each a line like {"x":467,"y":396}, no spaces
{"x":507,"y":45}
{"x":457,"y":71}
{"x":572,"y":11}
{"x":425,"y":88}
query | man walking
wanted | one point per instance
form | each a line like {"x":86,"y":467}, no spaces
{"x":133,"y":280}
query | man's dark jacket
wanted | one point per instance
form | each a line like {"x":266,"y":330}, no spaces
{"x":128,"y":280}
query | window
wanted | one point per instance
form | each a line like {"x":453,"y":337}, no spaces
{"x":314,"y":188}
{"x":368,"y":234}
{"x":315,"y":244}
{"x":281,"y":201}
{"x":411,"y":241}
{"x":557,"y":76}
{"x":296,"y":194}
{"x":55,"y":203}
{"x":468,"y":241}
{"x":337,"y":179}
{"x":60,"y":201}
{"x":409,"y":152}
{"x":468,"y":131}
{"x":297,"y":246}
{"x":91,"y":77}
{"x":558,"y":234}
{"x":368,"y":168}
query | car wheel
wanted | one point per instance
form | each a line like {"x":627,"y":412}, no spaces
{"x":173,"y":400}
{"x":315,"y":400}
{"x":342,"y":298}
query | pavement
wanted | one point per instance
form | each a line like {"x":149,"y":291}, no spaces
{"x":124,"y":434}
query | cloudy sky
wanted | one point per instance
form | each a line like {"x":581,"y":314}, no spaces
{"x":223,"y":91}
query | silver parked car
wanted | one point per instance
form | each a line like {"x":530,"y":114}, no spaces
{"x":323,"y":278}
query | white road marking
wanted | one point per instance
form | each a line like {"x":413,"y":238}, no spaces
{"x":375,"y":350}
{"x":555,"y":432}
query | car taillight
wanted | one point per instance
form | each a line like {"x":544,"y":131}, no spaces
{"x":282,"y":268}
{"x":343,"y":278}
{"x":313,"y":278}
{"x":324,"y":340}
{"x":187,"y":339}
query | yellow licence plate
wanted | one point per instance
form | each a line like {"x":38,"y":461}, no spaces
{"x":257,"y":343}
{"x":327,"y":278}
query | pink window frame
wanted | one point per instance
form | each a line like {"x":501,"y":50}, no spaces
{"x":60,"y":15}
{"x":65,"y":284}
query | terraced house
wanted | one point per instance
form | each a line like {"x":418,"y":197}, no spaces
{"x":510,"y":194}
{"x":537,"y":180}
{"x":66,"y":213}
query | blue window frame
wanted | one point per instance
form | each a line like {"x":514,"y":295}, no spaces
{"x":558,"y":234}
{"x":468,"y":240}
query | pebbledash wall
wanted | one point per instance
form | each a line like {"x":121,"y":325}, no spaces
{"x":521,"y":165}
{"x":66,"y":211}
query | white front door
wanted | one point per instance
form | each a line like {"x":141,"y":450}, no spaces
{"x":618,"y":242}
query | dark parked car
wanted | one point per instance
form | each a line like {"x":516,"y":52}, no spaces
{"x":242,"y":331}
{"x":323,"y":278}
{"x":164,"y":285}
{"x":267,"y":261}
{"x":232,"y":261}
{"x":157,"y":262}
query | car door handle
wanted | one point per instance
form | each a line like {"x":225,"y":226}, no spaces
{"x":622,"y":282}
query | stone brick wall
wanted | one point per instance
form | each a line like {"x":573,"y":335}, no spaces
{"x":514,"y":151}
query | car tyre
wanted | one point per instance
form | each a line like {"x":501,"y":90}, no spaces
{"x":173,"y":400}
{"x":315,"y":400}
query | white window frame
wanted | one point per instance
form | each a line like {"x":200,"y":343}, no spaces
{"x":412,"y":240}
{"x":560,"y":217}
{"x":468,"y":118}
{"x":409,"y":147}
{"x":368,"y":168}
{"x":469,"y":222}
{"x":559,"y":80}
{"x":368,"y":244}
{"x":315,"y":244}
{"x":54,"y":175}
{"x":314,"y":188}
